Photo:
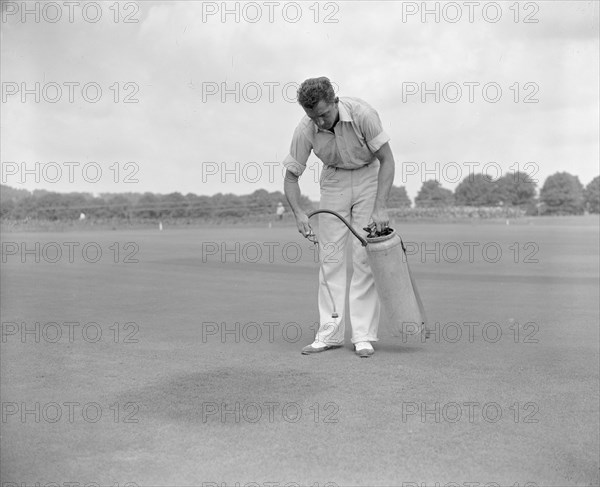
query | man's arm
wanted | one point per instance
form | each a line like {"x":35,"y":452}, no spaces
{"x":291,"y":188}
{"x":385,"y":180}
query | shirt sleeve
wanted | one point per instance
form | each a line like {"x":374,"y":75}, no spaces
{"x":295,"y":162}
{"x":372,"y":130}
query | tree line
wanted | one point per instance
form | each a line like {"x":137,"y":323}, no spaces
{"x":19,"y":204}
{"x":561,"y":194}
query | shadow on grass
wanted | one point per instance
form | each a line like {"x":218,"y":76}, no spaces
{"x":201,"y":397}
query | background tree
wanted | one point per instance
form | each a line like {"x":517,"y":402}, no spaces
{"x":562,"y":194}
{"x":147,"y":206}
{"x":48,"y":206}
{"x":477,"y":190}
{"x":117,"y":206}
{"x":592,"y":195}
{"x":259,"y":202}
{"x":199,"y":206}
{"x":398,"y":198}
{"x":14,"y":203}
{"x":7,"y":208}
{"x":516,"y":189}
{"x":432,"y":195}
{"x":73,"y":204}
{"x":174,"y":205}
{"x":7,"y":193}
{"x":229,"y":205}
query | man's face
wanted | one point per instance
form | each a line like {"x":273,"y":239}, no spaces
{"x":324,"y":114}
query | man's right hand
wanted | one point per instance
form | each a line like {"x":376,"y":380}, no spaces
{"x":303,"y":225}
{"x":292,"y":193}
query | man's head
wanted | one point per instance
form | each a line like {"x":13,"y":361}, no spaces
{"x":317,"y":98}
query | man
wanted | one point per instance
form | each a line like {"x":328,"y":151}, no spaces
{"x":280,"y":210}
{"x":347,"y":135}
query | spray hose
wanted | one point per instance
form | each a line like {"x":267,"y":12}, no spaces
{"x":355,"y":233}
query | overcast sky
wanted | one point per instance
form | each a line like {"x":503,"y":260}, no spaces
{"x":181,"y":135}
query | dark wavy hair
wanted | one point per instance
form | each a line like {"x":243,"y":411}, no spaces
{"x":313,"y":90}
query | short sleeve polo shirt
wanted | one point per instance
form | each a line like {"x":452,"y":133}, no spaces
{"x":353,"y":143}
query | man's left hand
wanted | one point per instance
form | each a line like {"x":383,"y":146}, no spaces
{"x":380,"y":218}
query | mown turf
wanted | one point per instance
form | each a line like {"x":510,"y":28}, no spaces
{"x":380,"y":421}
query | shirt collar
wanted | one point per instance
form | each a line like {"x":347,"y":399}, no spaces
{"x":344,"y":115}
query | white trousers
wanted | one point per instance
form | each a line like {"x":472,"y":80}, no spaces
{"x":351,"y":193}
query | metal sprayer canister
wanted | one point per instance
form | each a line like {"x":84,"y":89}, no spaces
{"x":394,"y":285}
